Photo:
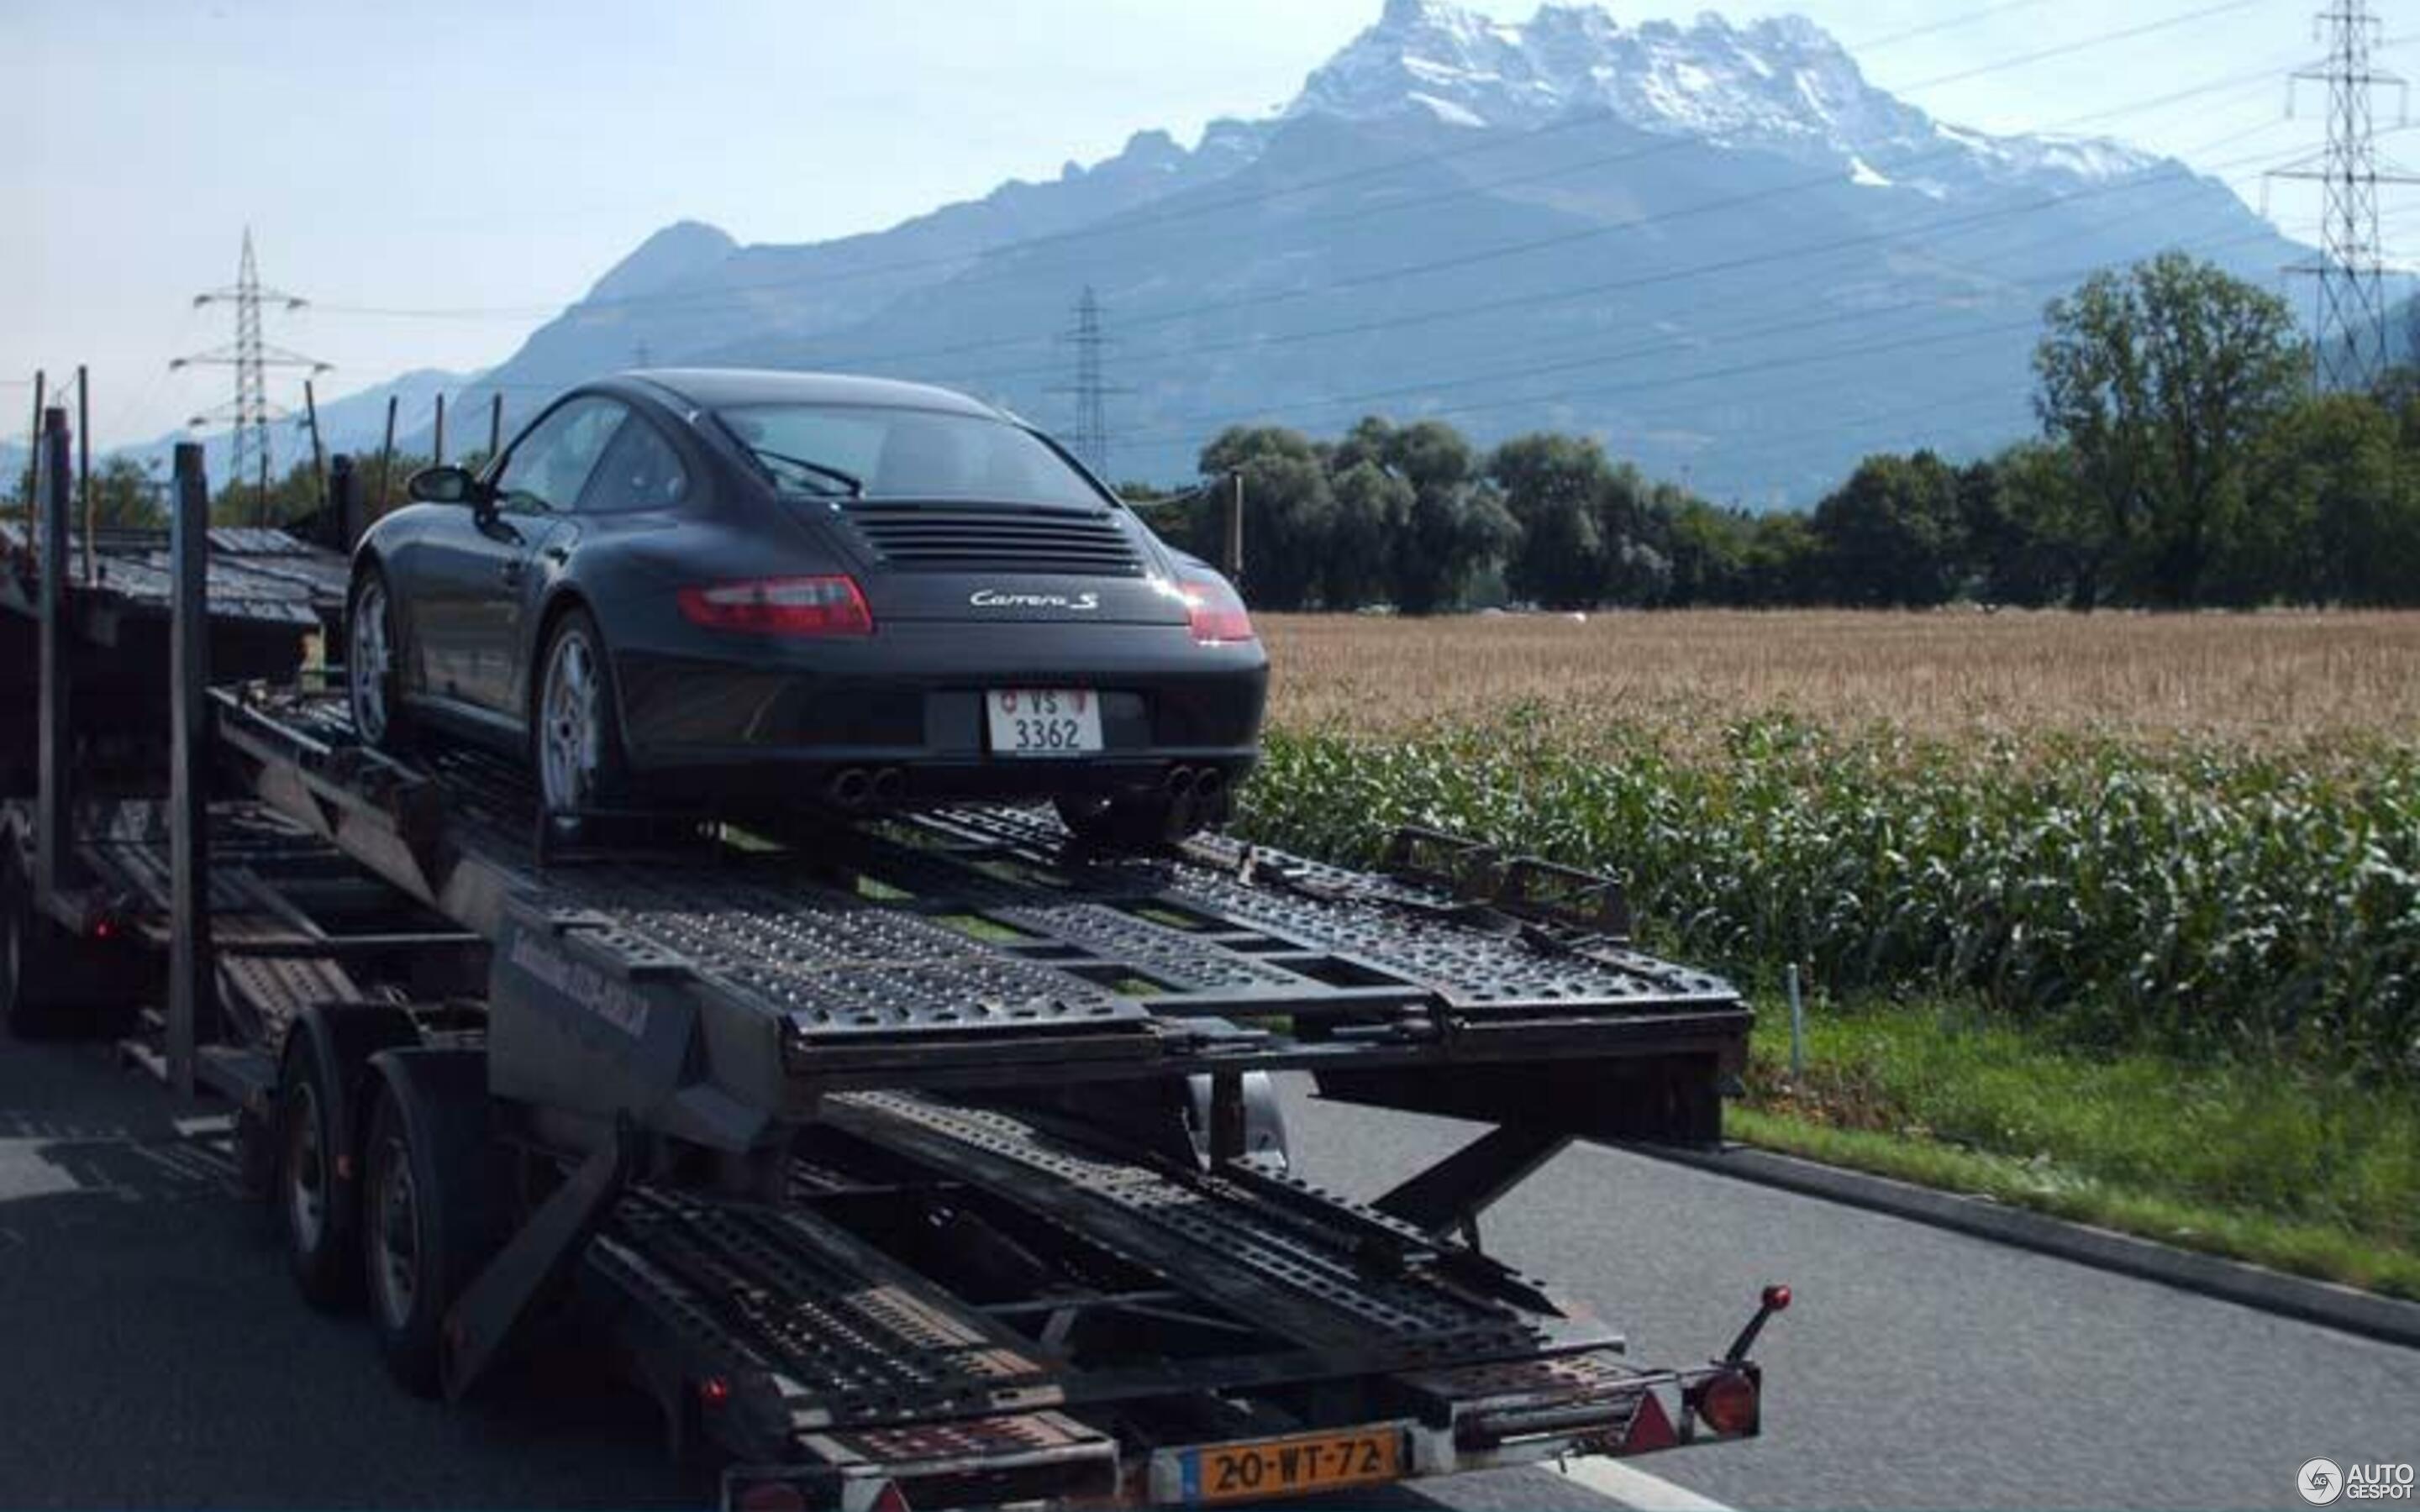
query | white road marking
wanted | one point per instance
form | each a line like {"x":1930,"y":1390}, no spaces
{"x":1634,"y":1488}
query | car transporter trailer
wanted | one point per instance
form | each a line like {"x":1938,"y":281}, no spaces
{"x":922,"y":1162}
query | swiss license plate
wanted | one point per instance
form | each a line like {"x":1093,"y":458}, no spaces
{"x":1285,"y":1467}
{"x":1044,"y":721}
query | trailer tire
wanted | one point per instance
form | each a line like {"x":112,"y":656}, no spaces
{"x":436,"y":1203}
{"x":319,"y":1204}
{"x":32,"y":960}
{"x":315,"y":1140}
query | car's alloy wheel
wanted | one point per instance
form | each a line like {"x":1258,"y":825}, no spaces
{"x":369,"y":666}
{"x":570,"y":736}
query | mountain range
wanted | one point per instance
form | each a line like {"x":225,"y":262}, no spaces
{"x":1720,"y":248}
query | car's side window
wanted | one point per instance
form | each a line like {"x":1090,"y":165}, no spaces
{"x":550,"y":465}
{"x":640,"y":470}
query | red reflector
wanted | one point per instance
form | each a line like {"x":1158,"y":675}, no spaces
{"x":104,"y":928}
{"x":771,"y":1496}
{"x":713,"y":1391}
{"x":890,"y":1499}
{"x":1728,"y":1404}
{"x":1215,"y":610}
{"x":780,"y":606}
{"x":1650,"y":1428}
{"x":1776,"y":1299}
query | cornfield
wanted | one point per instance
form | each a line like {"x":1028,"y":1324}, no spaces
{"x":2211,"y":872}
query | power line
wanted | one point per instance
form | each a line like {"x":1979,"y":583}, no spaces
{"x":250,"y":356}
{"x":1164,"y":317}
{"x":2348,"y":346}
{"x":1090,"y":237}
{"x":1189,"y":424}
{"x":1469,"y":309}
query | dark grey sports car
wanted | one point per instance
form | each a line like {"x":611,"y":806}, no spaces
{"x":745,"y":589}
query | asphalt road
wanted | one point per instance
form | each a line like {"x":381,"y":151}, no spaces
{"x":152,"y":1352}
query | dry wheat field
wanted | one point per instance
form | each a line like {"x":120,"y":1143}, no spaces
{"x":2266,"y":680}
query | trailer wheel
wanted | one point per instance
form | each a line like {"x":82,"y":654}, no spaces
{"x":317,"y":1209}
{"x":435,"y":1204}
{"x":32,"y":959}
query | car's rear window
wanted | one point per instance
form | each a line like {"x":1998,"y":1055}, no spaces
{"x":905,"y":453}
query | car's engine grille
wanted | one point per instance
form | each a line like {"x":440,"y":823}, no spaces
{"x":989,"y":538}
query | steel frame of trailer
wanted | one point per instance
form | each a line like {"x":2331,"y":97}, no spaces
{"x":959,"y":1248}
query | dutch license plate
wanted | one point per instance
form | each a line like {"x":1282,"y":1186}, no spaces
{"x":1284,"y":1467}
{"x":1044,"y":721}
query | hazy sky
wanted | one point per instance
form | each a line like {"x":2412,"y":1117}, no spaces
{"x":489,"y":159}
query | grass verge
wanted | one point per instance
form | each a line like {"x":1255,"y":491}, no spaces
{"x":2311,"y":1176}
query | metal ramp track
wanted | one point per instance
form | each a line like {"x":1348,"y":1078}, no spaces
{"x":844,"y":1335}
{"x":941,"y":947}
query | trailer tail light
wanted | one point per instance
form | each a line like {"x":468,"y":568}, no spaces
{"x":1214,"y":610}
{"x":1728,"y":1404}
{"x":769,"y":1496}
{"x":830,"y":604}
{"x":1650,"y":1428}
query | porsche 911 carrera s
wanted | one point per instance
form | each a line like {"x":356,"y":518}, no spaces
{"x":749,"y":588}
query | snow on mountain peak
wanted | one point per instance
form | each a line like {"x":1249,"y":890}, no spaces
{"x":1781,"y":83}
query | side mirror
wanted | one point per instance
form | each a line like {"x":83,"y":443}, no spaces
{"x":448,"y":484}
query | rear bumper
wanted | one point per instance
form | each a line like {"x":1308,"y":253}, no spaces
{"x":911,"y":697}
{"x":1476,"y":1418}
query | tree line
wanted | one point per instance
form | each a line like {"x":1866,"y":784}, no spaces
{"x":2182,"y":462}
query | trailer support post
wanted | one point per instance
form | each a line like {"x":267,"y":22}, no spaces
{"x":190,"y":995}
{"x":1451,"y":1194}
{"x":53,"y":840}
{"x":482,"y":1320}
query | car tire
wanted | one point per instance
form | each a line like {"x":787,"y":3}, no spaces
{"x":373,"y":673}
{"x":575,"y":727}
{"x":436,"y":1205}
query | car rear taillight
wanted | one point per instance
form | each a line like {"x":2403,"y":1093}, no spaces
{"x":780,"y":606}
{"x":1214,"y":610}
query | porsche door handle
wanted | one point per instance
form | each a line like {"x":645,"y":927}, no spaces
{"x":512,"y":572}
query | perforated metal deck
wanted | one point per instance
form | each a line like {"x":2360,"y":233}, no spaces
{"x":1312,"y":1286}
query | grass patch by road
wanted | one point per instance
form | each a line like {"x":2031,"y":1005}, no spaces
{"x":2302,"y":1174}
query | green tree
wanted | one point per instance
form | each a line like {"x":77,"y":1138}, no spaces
{"x":1288,"y":511}
{"x":1894,"y":533}
{"x":1782,"y":562}
{"x":2334,"y":516}
{"x":126,"y":496}
{"x":2160,"y":379}
{"x":1456,"y":527}
{"x":1373,"y":509}
{"x":1708,"y":549}
{"x":1555,"y":489}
